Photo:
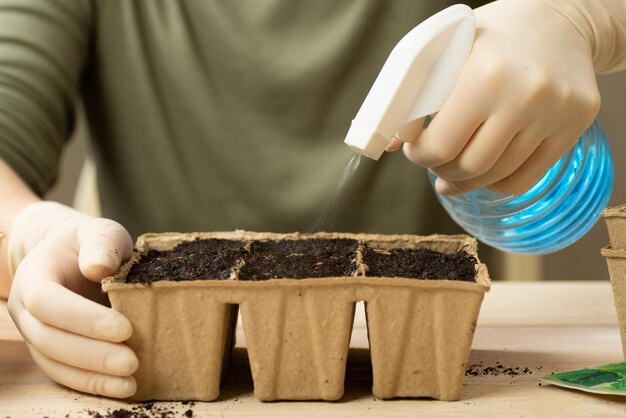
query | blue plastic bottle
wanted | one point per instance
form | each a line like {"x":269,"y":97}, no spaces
{"x":553,"y":214}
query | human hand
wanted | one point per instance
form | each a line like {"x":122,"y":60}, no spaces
{"x":73,"y":339}
{"x":524,"y":97}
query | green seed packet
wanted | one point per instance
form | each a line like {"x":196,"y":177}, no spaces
{"x":609,"y":379}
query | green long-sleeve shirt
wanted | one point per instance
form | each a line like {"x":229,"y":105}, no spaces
{"x":211,"y":115}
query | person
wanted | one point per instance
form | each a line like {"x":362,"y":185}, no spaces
{"x":223,"y":115}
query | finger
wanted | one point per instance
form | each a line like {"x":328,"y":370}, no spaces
{"x":394,"y":145}
{"x":104,"y":245}
{"x":407,"y":133}
{"x":51,"y":303}
{"x":454,"y":125}
{"x":519,"y":150}
{"x":483,"y":151}
{"x":83,"y":380}
{"x":411,"y":130}
{"x":531,"y":171}
{"x":75,"y":350}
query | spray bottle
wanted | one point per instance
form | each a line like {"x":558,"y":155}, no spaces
{"x":414,"y":83}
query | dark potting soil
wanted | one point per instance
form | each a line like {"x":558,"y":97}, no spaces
{"x":309,"y":258}
{"x":211,"y":259}
{"x":337,"y":246}
{"x":145,"y":410}
{"x":479,"y":370}
{"x":420,"y":263}
{"x":204,"y":246}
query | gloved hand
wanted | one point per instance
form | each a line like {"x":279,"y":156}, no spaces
{"x":75,"y":341}
{"x":525,"y":95}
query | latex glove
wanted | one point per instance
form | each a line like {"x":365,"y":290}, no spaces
{"x":603,"y":25}
{"x":74,"y":340}
{"x":525,"y":95}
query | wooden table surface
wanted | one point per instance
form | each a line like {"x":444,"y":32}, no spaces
{"x":539,"y":327}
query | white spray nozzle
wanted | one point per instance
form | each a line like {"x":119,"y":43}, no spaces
{"x":416,"y":79}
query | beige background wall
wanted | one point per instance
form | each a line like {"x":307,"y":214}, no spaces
{"x":579,"y":262}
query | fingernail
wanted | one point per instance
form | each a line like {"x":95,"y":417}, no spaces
{"x":113,"y":330}
{"x":120,"y":364}
{"x":120,"y":388}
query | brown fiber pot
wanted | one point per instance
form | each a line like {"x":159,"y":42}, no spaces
{"x":616,"y":262}
{"x":615,"y":218}
{"x":298,"y":330}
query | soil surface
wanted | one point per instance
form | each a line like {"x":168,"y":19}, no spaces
{"x":329,"y":246}
{"x":211,"y":259}
{"x":297,"y":259}
{"x":420,"y":263}
{"x":205,"y":245}
{"x":216,"y":259}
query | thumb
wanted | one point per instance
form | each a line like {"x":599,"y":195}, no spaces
{"x":103,"y":246}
